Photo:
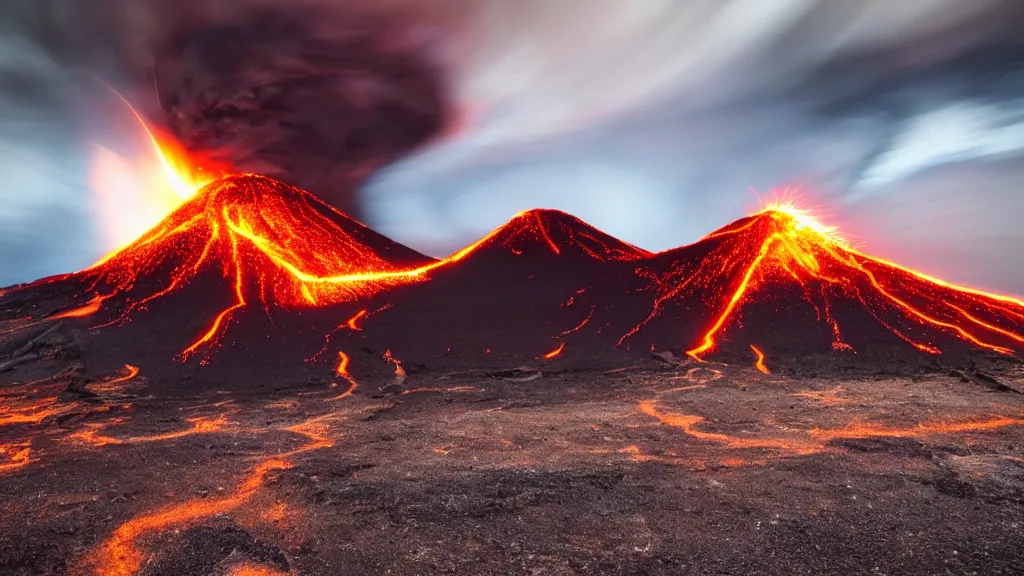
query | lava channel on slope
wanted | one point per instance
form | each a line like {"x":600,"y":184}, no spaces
{"x":782,"y":282}
{"x":254,"y":240}
{"x":521,"y":291}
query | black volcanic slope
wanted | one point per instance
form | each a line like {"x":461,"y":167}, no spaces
{"x":253,"y":281}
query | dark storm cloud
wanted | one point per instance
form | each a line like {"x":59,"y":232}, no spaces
{"x":318,"y":99}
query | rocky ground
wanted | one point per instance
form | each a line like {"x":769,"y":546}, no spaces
{"x":660,"y":467}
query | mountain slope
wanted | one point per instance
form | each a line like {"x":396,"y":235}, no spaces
{"x":780,"y":279}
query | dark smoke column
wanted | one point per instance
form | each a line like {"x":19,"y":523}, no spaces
{"x":319,"y":100}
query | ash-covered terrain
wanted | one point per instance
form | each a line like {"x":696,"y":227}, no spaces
{"x":262,"y":385}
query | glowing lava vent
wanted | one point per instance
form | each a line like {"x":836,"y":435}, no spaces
{"x":784,"y":282}
{"x":274,"y":245}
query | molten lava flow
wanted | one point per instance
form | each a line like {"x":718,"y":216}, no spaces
{"x":88,"y":309}
{"x":342,"y":369}
{"x":353,"y":321}
{"x":554,"y":353}
{"x":14,"y":456}
{"x":753,"y":259}
{"x":583,"y":323}
{"x":759,"y":364}
{"x":278,"y":245}
{"x":120,"y":555}
{"x":32,"y":410}
{"x":113,"y":385}
{"x":688,"y":424}
{"x":816,"y":439}
{"x":199,"y":425}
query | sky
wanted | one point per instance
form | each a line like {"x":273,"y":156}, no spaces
{"x":435,"y":121}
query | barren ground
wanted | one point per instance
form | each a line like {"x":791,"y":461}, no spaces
{"x":650,"y":469}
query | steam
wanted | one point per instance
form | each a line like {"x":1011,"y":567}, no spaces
{"x":650,"y":119}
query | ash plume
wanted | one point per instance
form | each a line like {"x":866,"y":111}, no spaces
{"x":315,"y":98}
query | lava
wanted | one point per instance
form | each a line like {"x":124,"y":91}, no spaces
{"x":755,"y":259}
{"x":399,"y":371}
{"x":816,"y":439}
{"x":554,"y":353}
{"x":342,"y":369}
{"x":759,"y":364}
{"x":353,"y":321}
{"x":120,"y":554}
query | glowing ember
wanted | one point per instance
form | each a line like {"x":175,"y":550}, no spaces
{"x":782,"y":245}
{"x":759,"y":364}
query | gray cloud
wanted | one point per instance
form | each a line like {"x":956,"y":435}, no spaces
{"x":650,"y":119}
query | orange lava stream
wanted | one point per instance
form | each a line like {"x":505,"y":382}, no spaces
{"x":554,"y":353}
{"x":782,"y":244}
{"x":399,"y":371}
{"x":14,"y":456}
{"x":32,"y":411}
{"x":760,"y":360}
{"x":199,"y":425}
{"x":120,"y":555}
{"x":817,"y":438}
{"x":353,"y":321}
{"x":580,"y":326}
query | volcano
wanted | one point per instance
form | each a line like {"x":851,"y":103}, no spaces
{"x":781,"y":282}
{"x":267,"y":274}
{"x":257,"y":238}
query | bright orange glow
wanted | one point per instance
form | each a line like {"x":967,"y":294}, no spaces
{"x":815,"y":440}
{"x":782,"y":244}
{"x":133,"y":195}
{"x":760,"y":360}
{"x":353,"y":321}
{"x":580,"y":326}
{"x":120,"y":554}
{"x":342,"y":370}
{"x":89,"y":309}
{"x":92,"y":436}
{"x":688,"y":424}
{"x":554,"y":353}
{"x":14,"y":456}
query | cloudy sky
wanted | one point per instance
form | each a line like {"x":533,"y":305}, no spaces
{"x":655,"y":120}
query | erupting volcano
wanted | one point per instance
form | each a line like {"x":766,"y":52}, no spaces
{"x":781,"y":280}
{"x":775,"y":284}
